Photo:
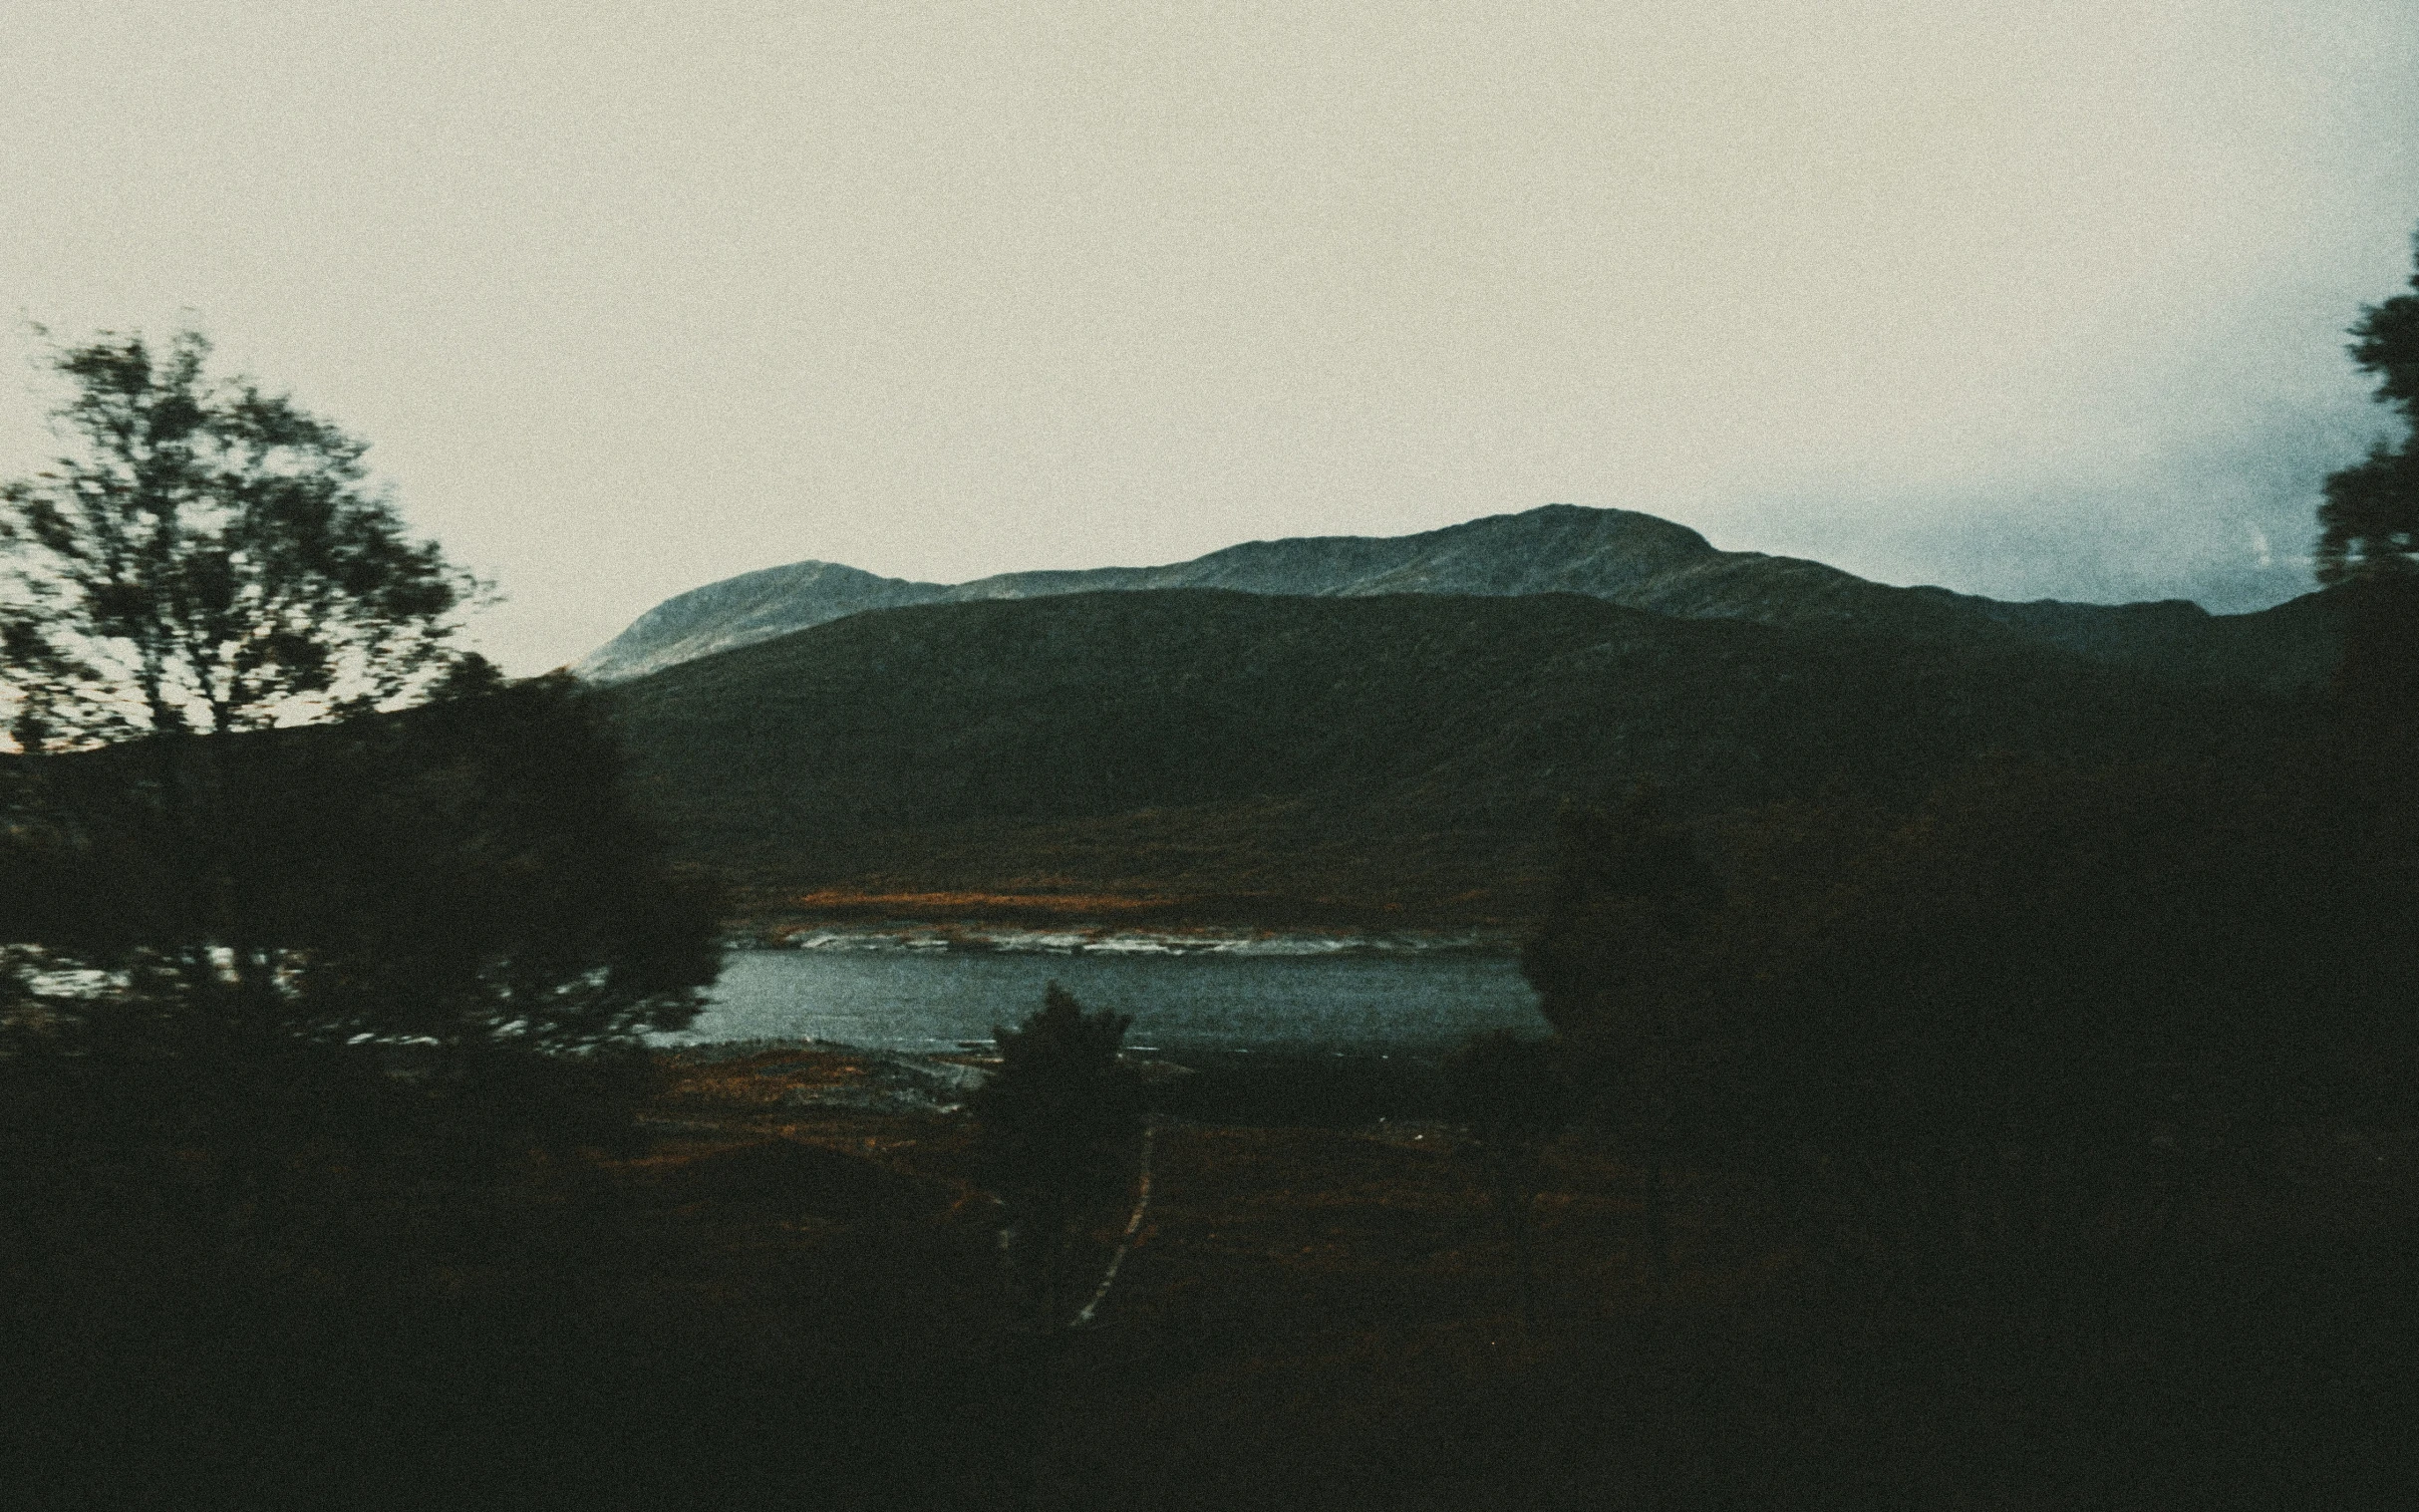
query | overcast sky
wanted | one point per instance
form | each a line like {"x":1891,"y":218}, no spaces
{"x":2041,"y":298}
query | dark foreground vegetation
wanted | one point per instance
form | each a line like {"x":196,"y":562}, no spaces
{"x":776,"y":1305}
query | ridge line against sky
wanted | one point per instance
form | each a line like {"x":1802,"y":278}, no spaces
{"x":2026,"y":300}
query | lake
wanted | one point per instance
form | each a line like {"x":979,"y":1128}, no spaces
{"x":933,"y":1000}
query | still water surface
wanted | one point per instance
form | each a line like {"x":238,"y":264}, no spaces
{"x":935,"y":1000}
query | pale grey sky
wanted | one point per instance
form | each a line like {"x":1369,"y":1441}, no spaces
{"x":2032,"y":298}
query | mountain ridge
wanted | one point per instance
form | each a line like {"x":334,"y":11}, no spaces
{"x":1634,"y":560}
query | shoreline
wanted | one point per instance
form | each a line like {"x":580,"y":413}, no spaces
{"x":1076,"y":938}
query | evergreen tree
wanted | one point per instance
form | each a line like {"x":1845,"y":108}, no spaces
{"x":2369,"y":524}
{"x":2370,"y":543}
{"x":1057,"y":1122}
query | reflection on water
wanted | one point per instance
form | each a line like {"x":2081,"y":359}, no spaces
{"x":935,"y":1000}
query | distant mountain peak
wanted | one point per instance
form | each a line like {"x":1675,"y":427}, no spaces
{"x":1619,"y":555}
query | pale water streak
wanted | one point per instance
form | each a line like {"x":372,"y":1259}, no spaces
{"x":935,"y":1000}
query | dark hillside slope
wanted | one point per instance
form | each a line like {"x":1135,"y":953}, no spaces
{"x":1267,"y":756}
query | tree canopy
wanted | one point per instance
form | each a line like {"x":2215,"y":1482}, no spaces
{"x":1058,"y":1113}
{"x":259,"y":797}
{"x":208,"y":556}
{"x":2369,"y":524}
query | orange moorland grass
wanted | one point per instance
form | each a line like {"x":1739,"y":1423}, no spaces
{"x":787,"y":913}
{"x":1274,"y":897}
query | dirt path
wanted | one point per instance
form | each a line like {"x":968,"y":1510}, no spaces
{"x":1125,"y":1241}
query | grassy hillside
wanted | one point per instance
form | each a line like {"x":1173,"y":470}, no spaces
{"x":1315,"y":760}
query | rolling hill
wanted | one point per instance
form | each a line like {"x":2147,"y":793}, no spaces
{"x":1339,"y":759}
